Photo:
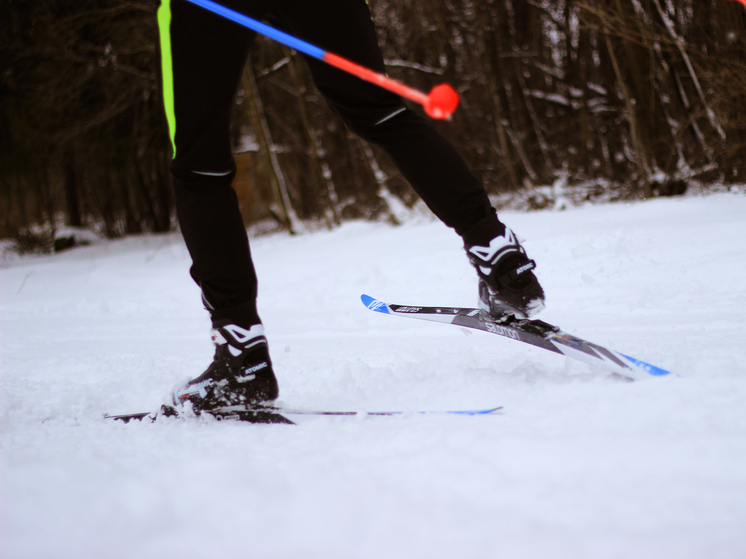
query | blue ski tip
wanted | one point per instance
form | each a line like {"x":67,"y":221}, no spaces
{"x":374,"y":304}
{"x":647,"y":367}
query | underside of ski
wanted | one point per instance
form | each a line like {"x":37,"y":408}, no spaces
{"x":534,"y":332}
{"x":283,"y":415}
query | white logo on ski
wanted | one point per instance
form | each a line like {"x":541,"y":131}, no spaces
{"x":502,"y":330}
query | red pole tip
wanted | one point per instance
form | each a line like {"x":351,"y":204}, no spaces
{"x":742,"y":2}
{"x":442,"y":101}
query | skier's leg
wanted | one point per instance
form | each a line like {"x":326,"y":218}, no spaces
{"x":203,"y":56}
{"x":426,"y":159}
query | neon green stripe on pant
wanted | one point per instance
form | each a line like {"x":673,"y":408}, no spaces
{"x":167,"y":71}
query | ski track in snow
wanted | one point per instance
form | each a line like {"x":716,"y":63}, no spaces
{"x":579,"y":464}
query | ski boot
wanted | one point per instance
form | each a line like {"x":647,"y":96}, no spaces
{"x":240,"y":374}
{"x":507,"y":284}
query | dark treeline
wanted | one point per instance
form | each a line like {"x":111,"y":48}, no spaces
{"x":635,"y":97}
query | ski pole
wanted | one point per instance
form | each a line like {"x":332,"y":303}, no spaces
{"x":439,"y":103}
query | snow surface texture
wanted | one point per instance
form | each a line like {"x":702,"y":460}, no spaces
{"x":579,"y":464}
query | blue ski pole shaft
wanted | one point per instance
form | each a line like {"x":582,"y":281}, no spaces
{"x":262,"y":28}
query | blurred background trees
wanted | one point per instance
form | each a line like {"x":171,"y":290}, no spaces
{"x":622,"y":98}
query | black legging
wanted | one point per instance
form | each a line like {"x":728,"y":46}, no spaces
{"x":208,"y":54}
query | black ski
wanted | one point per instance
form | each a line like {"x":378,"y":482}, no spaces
{"x":534,"y":332}
{"x":268,"y":414}
{"x":249,"y":415}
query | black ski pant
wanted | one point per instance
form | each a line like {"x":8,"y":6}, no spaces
{"x":203,"y":56}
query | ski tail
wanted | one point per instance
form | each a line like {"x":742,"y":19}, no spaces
{"x":646,"y":367}
{"x":127,"y":417}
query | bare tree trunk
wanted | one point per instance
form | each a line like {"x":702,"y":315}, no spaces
{"x":634,"y":129}
{"x":494,"y":93}
{"x":680,"y":44}
{"x":284,"y":210}
{"x":322,"y":184}
{"x":70,"y":185}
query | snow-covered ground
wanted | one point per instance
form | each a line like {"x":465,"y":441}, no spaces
{"x":579,"y":464}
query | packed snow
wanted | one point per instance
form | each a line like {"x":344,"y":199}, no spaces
{"x":579,"y":464}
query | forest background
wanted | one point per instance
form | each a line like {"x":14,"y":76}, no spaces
{"x":615,"y":99}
